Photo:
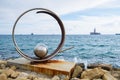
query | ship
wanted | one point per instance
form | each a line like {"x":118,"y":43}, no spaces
{"x":117,"y":34}
{"x":32,"y":33}
{"x":94,"y":33}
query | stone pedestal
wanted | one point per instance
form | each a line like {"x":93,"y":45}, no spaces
{"x":51,"y":67}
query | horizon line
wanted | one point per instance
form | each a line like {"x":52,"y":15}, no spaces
{"x":59,"y":34}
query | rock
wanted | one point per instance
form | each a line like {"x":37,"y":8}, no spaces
{"x":3,"y":77}
{"x":106,"y":66}
{"x":10,"y":79}
{"x":55,"y":78}
{"x":84,"y":79}
{"x":116,"y":74}
{"x":108,"y":76}
{"x":23,"y":74}
{"x":8,"y":72}
{"x":14,"y":75}
{"x":66,"y":78}
{"x":75,"y":79}
{"x":79,"y":79}
{"x":13,"y":67}
{"x":31,"y":77}
{"x":92,"y":74}
{"x":3,"y":62}
{"x":103,"y":66}
{"x":38,"y":79}
{"x":63,"y":77}
{"x":81,"y":65}
{"x":1,"y":71}
{"x":3,"y":66}
{"x":77,"y":71}
{"x":42,"y":79}
{"x":22,"y":78}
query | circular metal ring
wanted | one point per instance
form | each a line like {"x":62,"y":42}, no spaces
{"x":55,"y":52}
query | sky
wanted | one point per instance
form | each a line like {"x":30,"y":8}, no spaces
{"x":78,"y":16}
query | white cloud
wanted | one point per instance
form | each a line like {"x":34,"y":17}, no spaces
{"x":79,"y":5}
{"x":10,"y":10}
{"x":105,"y":25}
{"x":111,"y":4}
{"x":60,"y":7}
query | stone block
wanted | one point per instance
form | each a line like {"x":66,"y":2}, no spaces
{"x":51,"y":67}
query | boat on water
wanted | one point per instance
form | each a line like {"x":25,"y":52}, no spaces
{"x":95,"y":33}
{"x":32,"y":33}
{"x":117,"y":34}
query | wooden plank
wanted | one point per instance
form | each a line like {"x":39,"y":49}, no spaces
{"x":51,"y":67}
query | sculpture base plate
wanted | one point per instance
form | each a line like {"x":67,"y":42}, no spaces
{"x":50,"y":67}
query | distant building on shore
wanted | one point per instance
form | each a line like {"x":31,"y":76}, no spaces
{"x":94,"y":33}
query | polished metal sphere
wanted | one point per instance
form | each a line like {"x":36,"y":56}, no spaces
{"x":40,"y":51}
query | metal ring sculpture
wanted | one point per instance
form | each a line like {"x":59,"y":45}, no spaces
{"x":55,"y":52}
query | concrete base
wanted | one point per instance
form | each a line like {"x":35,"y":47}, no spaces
{"x":51,"y":67}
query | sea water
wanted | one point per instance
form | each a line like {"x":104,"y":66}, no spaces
{"x":87,"y":48}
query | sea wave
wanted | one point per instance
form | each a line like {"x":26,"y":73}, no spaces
{"x":104,"y":48}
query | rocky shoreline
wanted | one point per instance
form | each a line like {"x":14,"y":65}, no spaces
{"x":94,"y":72}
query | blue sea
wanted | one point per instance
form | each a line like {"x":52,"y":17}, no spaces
{"x":87,"y":48}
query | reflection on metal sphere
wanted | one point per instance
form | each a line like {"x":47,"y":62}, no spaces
{"x":40,"y":51}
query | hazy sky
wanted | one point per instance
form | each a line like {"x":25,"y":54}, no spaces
{"x":78,"y":16}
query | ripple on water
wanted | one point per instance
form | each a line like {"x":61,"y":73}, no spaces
{"x":104,"y":48}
